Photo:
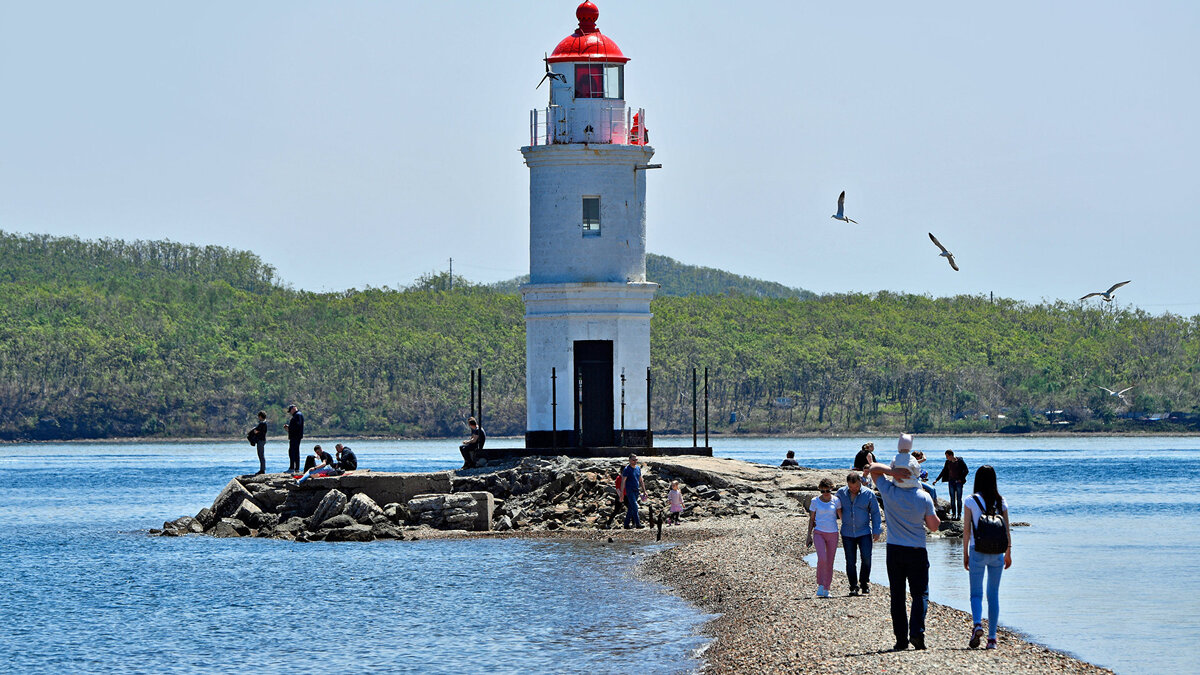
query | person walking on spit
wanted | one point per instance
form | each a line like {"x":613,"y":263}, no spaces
{"x":632,"y":487}
{"x":955,"y":473}
{"x":675,"y":502}
{"x":859,"y":512}
{"x":864,"y":458}
{"x":790,"y":461}
{"x":324,"y":465}
{"x":295,"y":432}
{"x":822,"y":518}
{"x":909,"y":511}
{"x":473,"y":444}
{"x":989,"y":548}
{"x":259,"y":433}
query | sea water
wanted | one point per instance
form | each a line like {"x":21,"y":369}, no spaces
{"x":1106,"y":569}
{"x":87,"y":590}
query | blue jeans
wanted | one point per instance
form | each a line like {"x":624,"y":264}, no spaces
{"x":908,"y":565}
{"x":631,"y":508}
{"x":851,"y":546}
{"x":932,"y":493}
{"x":956,"y":487}
{"x":994,"y":564}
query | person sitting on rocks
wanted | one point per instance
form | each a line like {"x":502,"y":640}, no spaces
{"x":790,"y":462}
{"x":472,"y":444}
{"x":324,"y":466}
{"x":346,"y":461}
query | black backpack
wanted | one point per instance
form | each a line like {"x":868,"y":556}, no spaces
{"x":252,"y":437}
{"x":990,"y":533}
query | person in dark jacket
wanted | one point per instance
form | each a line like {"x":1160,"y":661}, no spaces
{"x":260,"y":441}
{"x":955,"y":473}
{"x":472,"y":444}
{"x":790,"y":461}
{"x":295,"y":432}
{"x":346,"y":461}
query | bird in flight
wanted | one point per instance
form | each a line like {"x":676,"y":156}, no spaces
{"x":1107,"y":296}
{"x":1118,"y":394}
{"x":550,"y":74}
{"x":841,"y":214}
{"x":945,"y":254}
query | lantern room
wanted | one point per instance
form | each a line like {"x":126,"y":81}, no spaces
{"x":586,"y":104}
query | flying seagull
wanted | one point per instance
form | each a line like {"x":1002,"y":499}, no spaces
{"x":1107,"y":296}
{"x":945,"y":254}
{"x":551,"y":75}
{"x":841,"y":214}
{"x":1118,"y":394}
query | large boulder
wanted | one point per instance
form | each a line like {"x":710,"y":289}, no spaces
{"x":247,"y":511}
{"x":354,"y":532}
{"x":230,"y":499}
{"x":206,"y":518}
{"x":386,"y":530}
{"x":340,"y":520}
{"x":230,"y":527}
{"x":363,"y":509}
{"x":332,"y":504}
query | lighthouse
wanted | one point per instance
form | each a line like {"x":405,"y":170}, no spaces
{"x":587,"y":303}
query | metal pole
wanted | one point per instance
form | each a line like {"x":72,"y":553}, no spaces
{"x":554,"y":409}
{"x":649,"y":426}
{"x":622,"y":443}
{"x":472,"y":392}
{"x":479,"y":408}
{"x":706,"y":407}
{"x":693,"y":407}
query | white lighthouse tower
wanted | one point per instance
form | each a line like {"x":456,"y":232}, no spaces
{"x":587,"y":303}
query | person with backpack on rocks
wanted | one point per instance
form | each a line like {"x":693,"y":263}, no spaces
{"x":987,"y":538}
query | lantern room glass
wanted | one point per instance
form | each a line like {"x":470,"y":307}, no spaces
{"x":606,"y":80}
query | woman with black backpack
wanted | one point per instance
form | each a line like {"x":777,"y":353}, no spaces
{"x":987,"y":545}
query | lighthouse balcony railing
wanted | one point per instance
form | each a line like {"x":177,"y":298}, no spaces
{"x":617,"y":125}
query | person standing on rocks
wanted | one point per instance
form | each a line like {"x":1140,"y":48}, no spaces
{"x":260,"y":442}
{"x":295,"y":432}
{"x":955,"y":473}
{"x":822,"y":519}
{"x":632,"y":486}
{"x":864,"y":458}
{"x":909,"y":511}
{"x":859,"y":511}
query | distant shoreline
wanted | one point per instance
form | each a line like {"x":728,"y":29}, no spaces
{"x":712,"y":436}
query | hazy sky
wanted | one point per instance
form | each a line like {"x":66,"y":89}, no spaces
{"x":1052,"y":146}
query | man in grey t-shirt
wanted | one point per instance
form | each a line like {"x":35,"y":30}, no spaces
{"x":909,"y":511}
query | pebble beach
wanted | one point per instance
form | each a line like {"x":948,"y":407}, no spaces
{"x":752,"y":574}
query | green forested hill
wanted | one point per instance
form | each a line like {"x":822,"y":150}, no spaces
{"x":115,"y":339}
{"x":678,"y":279}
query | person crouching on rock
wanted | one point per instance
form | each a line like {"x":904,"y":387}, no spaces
{"x":324,"y":465}
{"x":346,"y":461}
{"x":632,"y":486}
{"x":823,"y":515}
{"x":675,"y":500}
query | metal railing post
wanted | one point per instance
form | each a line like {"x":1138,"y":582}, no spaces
{"x":554,"y":409}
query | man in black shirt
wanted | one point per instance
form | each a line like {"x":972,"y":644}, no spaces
{"x":260,"y":441}
{"x":295,"y":432}
{"x":790,"y":462}
{"x":346,"y":461}
{"x":472,"y":444}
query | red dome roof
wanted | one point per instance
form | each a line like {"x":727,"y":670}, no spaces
{"x":587,"y":43}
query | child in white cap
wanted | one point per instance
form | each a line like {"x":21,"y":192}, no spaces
{"x":905,"y":459}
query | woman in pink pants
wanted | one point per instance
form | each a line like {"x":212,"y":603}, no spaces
{"x":822,"y":518}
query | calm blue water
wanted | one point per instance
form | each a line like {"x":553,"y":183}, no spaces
{"x":1106,"y":571}
{"x":88,"y":591}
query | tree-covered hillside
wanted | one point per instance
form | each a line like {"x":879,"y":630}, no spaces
{"x":678,"y":279}
{"x":116,"y":339}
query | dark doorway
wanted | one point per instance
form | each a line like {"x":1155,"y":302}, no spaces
{"x":594,"y":392}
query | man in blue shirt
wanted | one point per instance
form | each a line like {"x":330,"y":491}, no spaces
{"x":631,"y":484}
{"x":909,"y":512}
{"x":859,"y":512}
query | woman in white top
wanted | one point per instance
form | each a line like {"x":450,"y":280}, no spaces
{"x":986,"y":500}
{"x":822,"y":517}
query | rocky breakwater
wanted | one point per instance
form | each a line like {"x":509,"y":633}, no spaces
{"x":336,"y":508}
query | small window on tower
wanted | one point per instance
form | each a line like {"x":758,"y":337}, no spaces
{"x":591,"y":216}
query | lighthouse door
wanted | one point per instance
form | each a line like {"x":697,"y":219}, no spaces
{"x":594,"y":392}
